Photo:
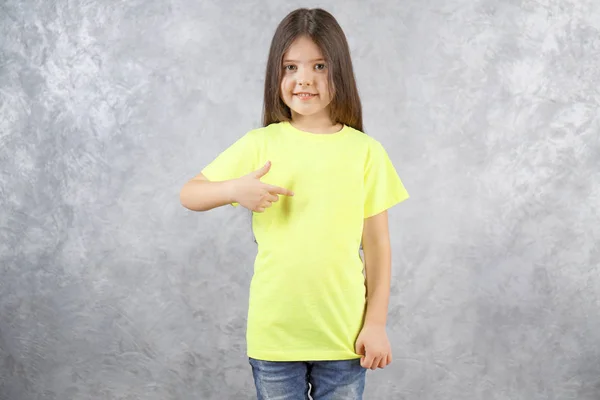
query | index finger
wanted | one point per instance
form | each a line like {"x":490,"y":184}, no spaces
{"x":279,"y":190}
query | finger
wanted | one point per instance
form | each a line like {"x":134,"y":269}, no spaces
{"x":259,"y":209}
{"x":367,"y":361}
{"x":266,"y":204}
{"x":389,"y":358}
{"x":383,"y":362}
{"x":262,"y":171}
{"x":375,"y":363}
{"x":279,"y":190}
{"x":271,"y":197}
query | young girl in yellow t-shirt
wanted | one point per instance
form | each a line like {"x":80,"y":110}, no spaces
{"x":318,"y":188}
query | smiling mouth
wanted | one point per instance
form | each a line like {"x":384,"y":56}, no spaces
{"x":305,"y":95}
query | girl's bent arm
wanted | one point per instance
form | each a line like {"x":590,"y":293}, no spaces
{"x":200,"y":194}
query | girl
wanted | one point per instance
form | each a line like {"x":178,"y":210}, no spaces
{"x":315,"y":322}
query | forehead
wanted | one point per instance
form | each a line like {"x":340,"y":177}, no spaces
{"x":303,"y":49}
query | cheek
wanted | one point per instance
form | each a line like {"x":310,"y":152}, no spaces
{"x":324,"y":88}
{"x":286,"y":86}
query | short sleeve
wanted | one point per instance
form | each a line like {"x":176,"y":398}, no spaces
{"x":383,"y":187}
{"x":237,"y":160}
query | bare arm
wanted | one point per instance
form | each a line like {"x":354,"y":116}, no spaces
{"x":372,"y":342}
{"x":376,"y":244}
{"x":200,"y":194}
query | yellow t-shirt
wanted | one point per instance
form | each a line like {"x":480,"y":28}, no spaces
{"x":307,"y":295}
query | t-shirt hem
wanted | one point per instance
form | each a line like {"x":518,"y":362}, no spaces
{"x":301,"y":355}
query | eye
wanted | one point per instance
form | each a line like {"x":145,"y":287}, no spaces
{"x":289,"y":67}
{"x":320,"y":67}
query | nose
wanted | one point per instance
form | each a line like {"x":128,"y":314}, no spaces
{"x":305,"y":77}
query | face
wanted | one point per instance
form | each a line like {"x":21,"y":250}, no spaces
{"x":304,"y":84}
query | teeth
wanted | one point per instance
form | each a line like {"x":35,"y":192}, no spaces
{"x":305,"y":95}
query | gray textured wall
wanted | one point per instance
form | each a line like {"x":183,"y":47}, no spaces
{"x":109,"y":289}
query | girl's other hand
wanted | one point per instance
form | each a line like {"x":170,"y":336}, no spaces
{"x":257,"y":196}
{"x":374,"y":347}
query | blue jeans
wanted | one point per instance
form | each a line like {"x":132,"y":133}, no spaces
{"x":329,"y":380}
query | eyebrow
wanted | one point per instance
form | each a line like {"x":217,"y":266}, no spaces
{"x":296,"y":61}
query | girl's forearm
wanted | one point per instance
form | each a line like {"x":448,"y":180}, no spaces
{"x":378,"y":296}
{"x":204,"y":195}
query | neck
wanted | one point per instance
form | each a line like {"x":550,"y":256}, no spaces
{"x":315,"y":123}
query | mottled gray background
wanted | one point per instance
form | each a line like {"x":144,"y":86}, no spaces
{"x":110,"y":289}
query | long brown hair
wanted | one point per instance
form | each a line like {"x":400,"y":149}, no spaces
{"x":326,"y":33}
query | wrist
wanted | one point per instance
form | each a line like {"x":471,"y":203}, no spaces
{"x":375,"y":323}
{"x":231,"y":190}
{"x":377,"y":309}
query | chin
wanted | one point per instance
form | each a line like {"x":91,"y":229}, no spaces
{"x":306,"y":113}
